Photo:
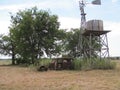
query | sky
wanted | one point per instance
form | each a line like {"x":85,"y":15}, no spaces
{"x":69,"y":15}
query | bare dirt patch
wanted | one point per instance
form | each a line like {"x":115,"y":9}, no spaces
{"x":19,"y":78}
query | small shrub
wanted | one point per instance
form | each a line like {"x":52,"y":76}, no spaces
{"x":44,"y":62}
{"x":40,"y":64}
{"x":77,"y":64}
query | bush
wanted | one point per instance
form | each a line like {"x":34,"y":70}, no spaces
{"x":44,"y":62}
{"x":87,"y":64}
{"x":77,"y":64}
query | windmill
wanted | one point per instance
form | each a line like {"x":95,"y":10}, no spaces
{"x":91,"y":31}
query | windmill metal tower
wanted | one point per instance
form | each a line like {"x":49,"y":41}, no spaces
{"x":93,"y":42}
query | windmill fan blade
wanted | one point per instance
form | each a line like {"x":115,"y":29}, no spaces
{"x":96,"y":2}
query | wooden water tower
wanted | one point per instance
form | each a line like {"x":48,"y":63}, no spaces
{"x":93,"y":42}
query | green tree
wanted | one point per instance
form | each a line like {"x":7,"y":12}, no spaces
{"x":71,"y":44}
{"x":7,"y":47}
{"x":35,"y":31}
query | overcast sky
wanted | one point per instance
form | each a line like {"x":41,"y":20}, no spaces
{"x":69,"y":15}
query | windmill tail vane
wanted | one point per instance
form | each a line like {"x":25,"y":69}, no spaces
{"x":96,"y":2}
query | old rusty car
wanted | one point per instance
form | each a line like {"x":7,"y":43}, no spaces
{"x":58,"y":64}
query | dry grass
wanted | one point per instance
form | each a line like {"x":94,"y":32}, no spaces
{"x":19,"y":78}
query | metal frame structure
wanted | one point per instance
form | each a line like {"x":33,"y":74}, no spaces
{"x":86,"y":45}
{"x":95,"y":43}
{"x":82,"y":27}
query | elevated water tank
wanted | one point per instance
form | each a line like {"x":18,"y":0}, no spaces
{"x":95,"y":25}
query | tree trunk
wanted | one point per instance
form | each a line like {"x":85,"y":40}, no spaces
{"x":13,"y":58}
{"x":13,"y":55}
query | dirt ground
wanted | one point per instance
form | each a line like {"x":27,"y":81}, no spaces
{"x":21,"y":78}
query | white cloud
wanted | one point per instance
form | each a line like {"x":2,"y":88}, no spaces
{"x":113,"y":26}
{"x":14,"y":7}
{"x":42,"y":4}
{"x":114,"y":1}
{"x":113,"y":37}
{"x":68,"y":23}
{"x":4,"y":27}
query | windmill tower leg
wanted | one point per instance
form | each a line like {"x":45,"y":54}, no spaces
{"x":105,"y":48}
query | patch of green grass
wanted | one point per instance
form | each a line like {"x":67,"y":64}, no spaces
{"x":104,"y":64}
{"x":88,"y":64}
{"x":5,"y":62}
